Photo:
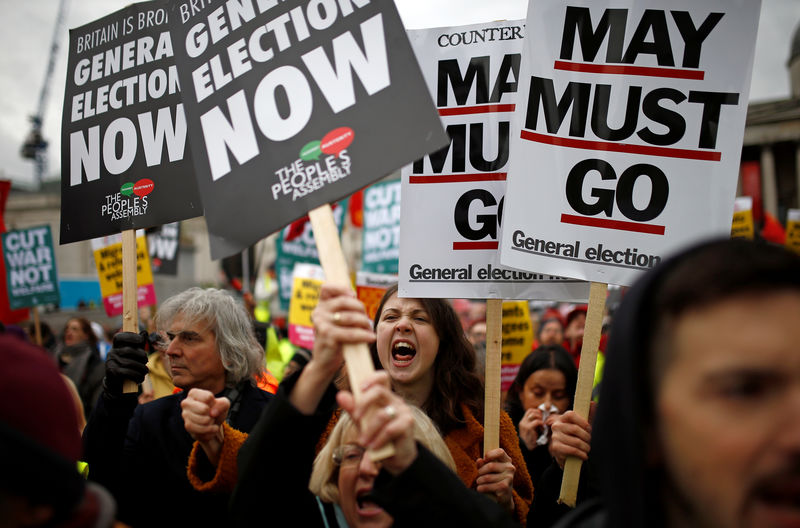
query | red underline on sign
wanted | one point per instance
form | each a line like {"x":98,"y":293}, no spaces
{"x":619,"y":69}
{"x":458,"y":178}
{"x":613,"y":224}
{"x":666,"y":152}
{"x":474,"y":245}
{"x":480,"y":109}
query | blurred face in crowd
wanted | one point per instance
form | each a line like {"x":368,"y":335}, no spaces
{"x":357,"y":475}
{"x":574,"y":330}
{"x":548,"y":386}
{"x":477,"y":311}
{"x":73,"y":333}
{"x":194,"y":359}
{"x":551,"y":333}
{"x":407,"y":342}
{"x":477,"y":333}
{"x":462,"y":308}
{"x":728,"y":413}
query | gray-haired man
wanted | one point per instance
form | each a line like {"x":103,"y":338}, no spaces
{"x":140,"y":452}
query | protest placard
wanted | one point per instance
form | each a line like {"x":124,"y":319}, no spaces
{"x":7,"y":315}
{"x":793,"y":230}
{"x":125,"y":161}
{"x":517,"y":340}
{"x":750,"y":178}
{"x":742,"y":224}
{"x":108,"y":259}
{"x":307,"y":280}
{"x":380,"y":249}
{"x":163,"y":244}
{"x":294,"y":248}
{"x":30,"y":267}
{"x":293,"y":105}
{"x":370,"y":288}
{"x":629,"y":128}
{"x":449,"y":238}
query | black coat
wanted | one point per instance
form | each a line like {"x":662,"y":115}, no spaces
{"x":275,"y":465}
{"x":140,"y":453}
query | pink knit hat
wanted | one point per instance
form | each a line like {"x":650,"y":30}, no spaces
{"x":39,"y":439}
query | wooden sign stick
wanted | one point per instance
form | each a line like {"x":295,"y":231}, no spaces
{"x":37,"y":326}
{"x":130,"y":305}
{"x":357,"y":357}
{"x":583,"y":391}
{"x":491,"y":405}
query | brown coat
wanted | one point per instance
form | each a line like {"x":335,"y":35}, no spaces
{"x":466,"y":447}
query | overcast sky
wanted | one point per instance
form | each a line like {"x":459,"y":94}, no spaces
{"x":27,"y":31}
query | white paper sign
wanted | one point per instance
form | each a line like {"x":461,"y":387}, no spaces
{"x":453,"y":199}
{"x":628,"y":133}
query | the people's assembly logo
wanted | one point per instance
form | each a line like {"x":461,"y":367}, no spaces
{"x":312,"y":171}
{"x":131,"y":200}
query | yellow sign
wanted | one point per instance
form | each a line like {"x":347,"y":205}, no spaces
{"x":307,"y":281}
{"x":370,"y":288}
{"x":742,"y":225}
{"x":517,"y":339}
{"x":793,"y":230}
{"x":108,"y":260}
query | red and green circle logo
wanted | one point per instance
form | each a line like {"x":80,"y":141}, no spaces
{"x":143,"y":187}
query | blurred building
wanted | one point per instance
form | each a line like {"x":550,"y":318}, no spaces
{"x":770,"y":170}
{"x":75,"y":262}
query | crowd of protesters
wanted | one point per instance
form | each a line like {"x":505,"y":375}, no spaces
{"x":696,"y":421}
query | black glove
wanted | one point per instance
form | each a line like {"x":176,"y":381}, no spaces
{"x":127,"y":360}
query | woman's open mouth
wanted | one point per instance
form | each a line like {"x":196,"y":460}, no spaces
{"x":403,"y":354}
{"x":365,"y":506}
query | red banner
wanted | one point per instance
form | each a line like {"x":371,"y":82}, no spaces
{"x":751,"y":186}
{"x":7,"y":315}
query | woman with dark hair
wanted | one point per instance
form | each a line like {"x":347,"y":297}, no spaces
{"x":422,"y":345}
{"x":542,"y":390}
{"x":80,"y":361}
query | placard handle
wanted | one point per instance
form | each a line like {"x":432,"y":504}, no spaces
{"x":491,"y":405}
{"x":357,"y":357}
{"x":583,"y":390}
{"x":130,"y":305}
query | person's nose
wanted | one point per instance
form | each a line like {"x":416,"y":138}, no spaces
{"x":367,"y":468}
{"x":173,"y":347}
{"x":403,"y":324}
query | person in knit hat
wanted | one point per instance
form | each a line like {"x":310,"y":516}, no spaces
{"x":40,"y":446}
